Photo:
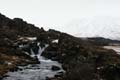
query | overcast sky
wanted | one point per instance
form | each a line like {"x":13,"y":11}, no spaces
{"x":57,"y":13}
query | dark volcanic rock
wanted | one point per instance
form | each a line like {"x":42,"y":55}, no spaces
{"x":55,"y":68}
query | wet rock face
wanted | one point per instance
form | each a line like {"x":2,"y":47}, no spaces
{"x":55,"y":68}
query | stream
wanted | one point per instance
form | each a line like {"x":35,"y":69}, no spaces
{"x":36,"y":71}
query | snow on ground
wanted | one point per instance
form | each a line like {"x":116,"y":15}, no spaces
{"x":55,"y":41}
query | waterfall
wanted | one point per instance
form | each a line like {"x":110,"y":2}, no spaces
{"x":40,"y":51}
{"x":36,"y":71}
{"x":32,"y":53}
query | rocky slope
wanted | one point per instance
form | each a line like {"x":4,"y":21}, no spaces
{"x":10,"y":33}
{"x":81,"y":59}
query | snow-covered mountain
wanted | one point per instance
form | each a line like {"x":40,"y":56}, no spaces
{"x":107,"y":27}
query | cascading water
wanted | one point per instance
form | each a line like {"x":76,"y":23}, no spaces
{"x":36,"y":71}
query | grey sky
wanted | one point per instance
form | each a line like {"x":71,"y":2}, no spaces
{"x":57,"y":13}
{"x":48,"y":12}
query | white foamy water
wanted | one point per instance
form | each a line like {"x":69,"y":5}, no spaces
{"x":36,"y":71}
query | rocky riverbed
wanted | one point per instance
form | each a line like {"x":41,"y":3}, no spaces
{"x":46,"y":69}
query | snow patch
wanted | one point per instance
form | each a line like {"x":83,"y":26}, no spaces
{"x":55,"y":41}
{"x":28,"y":38}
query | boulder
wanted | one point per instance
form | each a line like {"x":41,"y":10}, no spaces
{"x":55,"y":68}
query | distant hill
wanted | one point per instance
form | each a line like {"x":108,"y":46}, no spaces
{"x":100,"y":41}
